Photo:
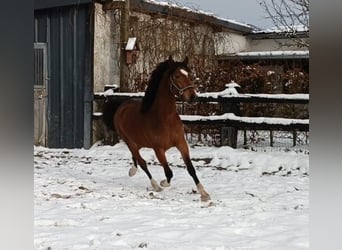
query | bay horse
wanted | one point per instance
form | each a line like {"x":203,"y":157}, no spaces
{"x":153,"y":122}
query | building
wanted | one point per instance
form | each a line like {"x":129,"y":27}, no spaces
{"x":63,"y":45}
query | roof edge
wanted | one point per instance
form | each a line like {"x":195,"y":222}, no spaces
{"x":278,"y":35}
{"x":152,"y":7}
{"x":46,"y":4}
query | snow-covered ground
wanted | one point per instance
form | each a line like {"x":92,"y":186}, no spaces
{"x":84,"y":199}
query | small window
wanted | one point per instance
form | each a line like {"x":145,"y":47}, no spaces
{"x":40,"y":64}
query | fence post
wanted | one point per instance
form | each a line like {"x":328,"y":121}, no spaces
{"x":245,"y":137}
{"x":110,"y":137}
{"x":229,"y":135}
{"x":294,"y":138}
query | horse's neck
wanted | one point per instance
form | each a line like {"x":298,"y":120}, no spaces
{"x":165,"y":102}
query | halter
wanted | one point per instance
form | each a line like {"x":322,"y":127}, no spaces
{"x":180,"y":90}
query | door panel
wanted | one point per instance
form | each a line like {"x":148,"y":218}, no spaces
{"x":40,"y":94}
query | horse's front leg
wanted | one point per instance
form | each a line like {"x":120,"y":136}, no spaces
{"x":184,"y":150}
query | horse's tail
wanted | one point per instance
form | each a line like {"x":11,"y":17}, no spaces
{"x":109,"y":109}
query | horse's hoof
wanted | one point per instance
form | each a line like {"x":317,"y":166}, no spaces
{"x":132,"y":171}
{"x":165,"y":183}
{"x":155,"y":186}
{"x":205,"y":197}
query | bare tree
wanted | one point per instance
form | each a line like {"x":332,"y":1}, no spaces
{"x":291,"y":17}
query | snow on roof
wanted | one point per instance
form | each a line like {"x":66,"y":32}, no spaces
{"x":297,"y":28}
{"x":276,"y":54}
{"x":197,"y":11}
{"x":169,"y":4}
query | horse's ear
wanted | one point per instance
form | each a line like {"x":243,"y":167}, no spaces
{"x":186,"y":60}
{"x":170,"y":59}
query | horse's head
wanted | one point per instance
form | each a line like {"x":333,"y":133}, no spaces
{"x":180,"y":82}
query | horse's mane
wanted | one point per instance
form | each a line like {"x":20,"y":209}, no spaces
{"x":155,"y":80}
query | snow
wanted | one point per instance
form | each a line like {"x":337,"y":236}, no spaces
{"x":251,"y":120}
{"x":222,"y":93}
{"x":84,"y":199}
{"x":232,"y":84}
{"x":275,"y":53}
{"x":230,"y":89}
{"x":131,"y":43}
{"x":97,"y":113}
{"x":270,"y":96}
{"x":110,"y":92}
{"x":297,"y":28}
{"x":176,"y":5}
{"x":229,"y":92}
{"x":112,"y":86}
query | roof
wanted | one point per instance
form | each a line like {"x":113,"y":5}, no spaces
{"x":181,"y":12}
{"x":299,"y":31}
{"x":233,"y":23}
{"x":160,"y":8}
{"x":289,"y":54}
{"x":297,"y":28}
{"x":45,"y":4}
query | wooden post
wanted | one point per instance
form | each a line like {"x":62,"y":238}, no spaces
{"x":229,"y":135}
{"x":294,"y":138}
{"x":245,"y":137}
{"x":271,"y":138}
{"x":124,"y":26}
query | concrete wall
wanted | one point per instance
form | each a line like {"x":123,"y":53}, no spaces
{"x":271,"y":45}
{"x":159,"y":37}
{"x":228,"y":43}
{"x":106,"y":49}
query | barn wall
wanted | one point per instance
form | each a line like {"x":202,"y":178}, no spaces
{"x":68,"y":34}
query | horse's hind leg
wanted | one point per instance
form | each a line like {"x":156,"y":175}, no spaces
{"x":168,"y":172}
{"x":134,"y":168}
{"x":142,"y":163}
